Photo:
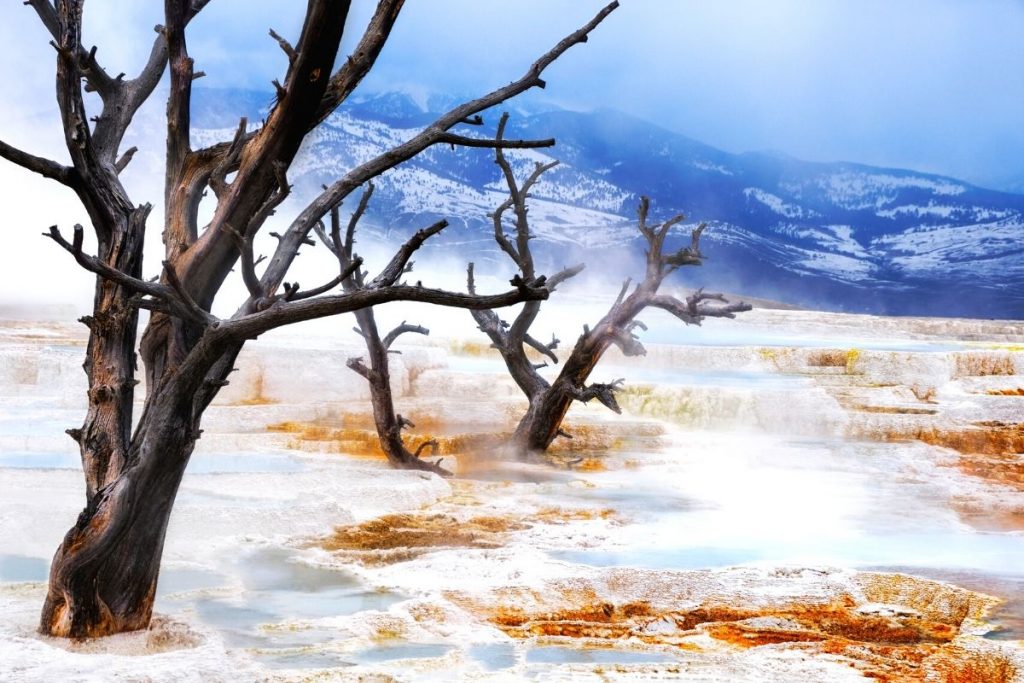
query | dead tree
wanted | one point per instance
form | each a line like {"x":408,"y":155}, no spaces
{"x":388,"y":423}
{"x":104,"y":574}
{"x":550,"y":401}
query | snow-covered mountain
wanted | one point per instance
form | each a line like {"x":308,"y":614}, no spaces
{"x":831,"y":235}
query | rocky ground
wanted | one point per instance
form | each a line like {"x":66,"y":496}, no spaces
{"x":818,"y":497}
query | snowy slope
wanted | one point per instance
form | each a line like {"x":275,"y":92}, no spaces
{"x":840,"y":236}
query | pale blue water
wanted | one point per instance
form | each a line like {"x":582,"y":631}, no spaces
{"x":41,"y":461}
{"x":918,"y":553}
{"x":296,"y":657}
{"x":301,"y":659}
{"x":738,"y":335}
{"x":31,"y":423}
{"x":18,"y":568}
{"x":275,"y":588}
{"x":201,"y":463}
{"x":730,"y":379}
{"x":175,"y":580}
{"x":395,"y":651}
{"x":494,"y":656}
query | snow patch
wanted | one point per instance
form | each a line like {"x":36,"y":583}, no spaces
{"x":777,"y":204}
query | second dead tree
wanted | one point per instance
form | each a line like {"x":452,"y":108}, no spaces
{"x":550,"y":401}
{"x":388,"y":423}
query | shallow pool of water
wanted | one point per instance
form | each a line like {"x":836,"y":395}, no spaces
{"x":298,"y":657}
{"x":21,"y":422}
{"x":401,"y":650}
{"x":661,"y":375}
{"x":301,"y":658}
{"x":919,"y":554}
{"x":494,"y":656}
{"x":19,"y":568}
{"x":726,"y":379}
{"x":738,"y":335}
{"x":41,"y":461}
{"x":254,"y":596}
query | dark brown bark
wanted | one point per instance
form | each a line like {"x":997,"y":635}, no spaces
{"x":104,"y":574}
{"x":549,"y":402}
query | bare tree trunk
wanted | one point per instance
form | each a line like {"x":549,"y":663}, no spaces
{"x":388,"y":423}
{"x":73,"y":606}
{"x":542,"y":422}
{"x":104,"y":574}
{"x":103,"y":577}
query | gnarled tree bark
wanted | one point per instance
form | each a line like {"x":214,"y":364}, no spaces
{"x":104,"y":574}
{"x":550,"y":401}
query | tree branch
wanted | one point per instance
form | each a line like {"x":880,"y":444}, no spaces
{"x":487,"y":143}
{"x":604,"y":393}
{"x":565,"y":274}
{"x":258,"y":185}
{"x":286,"y":47}
{"x":177,"y":305}
{"x":357,"y":365}
{"x":125,"y":159}
{"x":400,"y":262}
{"x":627,"y":342}
{"x":218,"y":176}
{"x":286,"y":313}
{"x":196,"y":312}
{"x":432,"y":444}
{"x":44,"y":167}
{"x":357,"y":215}
{"x":394,"y":334}
{"x":249,"y":277}
{"x":545,"y":349}
{"x":352,"y":267}
{"x":344,"y":81}
{"x":97,"y":77}
{"x":695,"y":309}
{"x":687,"y":256}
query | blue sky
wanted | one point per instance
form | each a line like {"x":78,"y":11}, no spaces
{"x":932,"y":85}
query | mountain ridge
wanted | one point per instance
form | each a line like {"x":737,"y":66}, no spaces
{"x":834,"y":235}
